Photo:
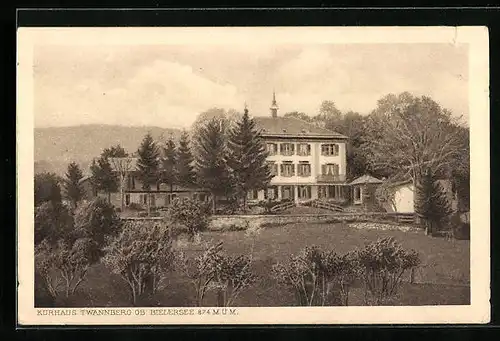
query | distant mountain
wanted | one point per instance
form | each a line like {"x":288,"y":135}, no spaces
{"x":55,"y":147}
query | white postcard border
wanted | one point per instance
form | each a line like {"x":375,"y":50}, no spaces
{"x":477,"y":312}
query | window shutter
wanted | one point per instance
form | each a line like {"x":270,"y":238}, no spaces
{"x":308,"y":149}
{"x":336,"y":167}
{"x":292,"y":148}
{"x":282,"y":168}
{"x":293,"y":168}
{"x":323,"y":169}
{"x":336,"y":149}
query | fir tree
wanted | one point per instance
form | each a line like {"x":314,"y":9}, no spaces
{"x":211,"y":159}
{"x":169,"y":165}
{"x":148,"y":166}
{"x":431,"y":204}
{"x":248,"y":158}
{"x":185,"y":167}
{"x":104,"y":178}
{"x":72,"y":184}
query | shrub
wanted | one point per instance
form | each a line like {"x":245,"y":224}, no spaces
{"x":309,"y":275}
{"x":344,"y":270}
{"x":53,"y":221}
{"x":142,"y":255}
{"x":65,"y":264}
{"x":383,"y":264}
{"x":192,"y":214}
{"x":215,"y":271}
{"x":47,"y":189}
{"x":97,"y":220}
{"x":135,"y":207}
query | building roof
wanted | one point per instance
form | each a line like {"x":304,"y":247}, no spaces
{"x":292,"y":127}
{"x":130,"y":163}
{"x":365,"y":179}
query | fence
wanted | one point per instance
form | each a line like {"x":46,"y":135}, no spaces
{"x":327,"y":205}
{"x":283,"y":206}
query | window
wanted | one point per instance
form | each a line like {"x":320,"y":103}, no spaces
{"x":273,"y":167}
{"x":127,"y":199}
{"x":287,"y":169}
{"x":153,"y":200}
{"x":253,"y":194}
{"x":169,"y":198}
{"x":287,"y":149}
{"x":357,"y":193}
{"x":271,"y":148}
{"x":271,"y":193}
{"x":287,"y":192}
{"x":304,"y":168}
{"x":304,"y":149}
{"x":133,"y":182}
{"x":330,"y":169}
{"x":304,"y":192}
{"x":330,"y":149}
{"x":322,"y":192}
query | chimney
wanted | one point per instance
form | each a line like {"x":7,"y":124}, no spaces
{"x":274,"y":106}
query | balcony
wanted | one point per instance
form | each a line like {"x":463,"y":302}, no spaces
{"x":330,"y":178}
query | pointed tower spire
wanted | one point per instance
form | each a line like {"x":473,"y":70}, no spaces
{"x":274,"y":106}
{"x":246,"y":107}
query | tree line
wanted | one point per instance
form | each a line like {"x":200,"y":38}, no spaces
{"x":404,"y":137}
{"x":226,"y":158}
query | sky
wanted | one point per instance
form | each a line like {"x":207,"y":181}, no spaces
{"x":169,"y":85}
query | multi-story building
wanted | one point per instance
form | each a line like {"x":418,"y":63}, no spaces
{"x":308,"y":162}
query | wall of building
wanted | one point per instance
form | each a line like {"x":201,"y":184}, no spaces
{"x":315,"y":159}
{"x":404,"y":199}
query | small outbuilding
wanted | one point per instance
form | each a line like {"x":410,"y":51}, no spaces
{"x":363,"y":190}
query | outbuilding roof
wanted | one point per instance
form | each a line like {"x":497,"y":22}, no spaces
{"x":366,"y":179}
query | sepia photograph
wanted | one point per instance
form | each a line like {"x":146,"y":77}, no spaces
{"x":253,"y":175}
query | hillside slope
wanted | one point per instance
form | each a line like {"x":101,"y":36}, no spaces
{"x":55,"y":147}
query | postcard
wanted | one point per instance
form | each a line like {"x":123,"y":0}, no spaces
{"x":252,"y":175}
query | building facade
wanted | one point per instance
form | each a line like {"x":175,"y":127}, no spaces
{"x":159,"y":195}
{"x":308,"y":162}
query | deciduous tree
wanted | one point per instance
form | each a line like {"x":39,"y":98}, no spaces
{"x":407,"y":135}
{"x":142,"y":254}
{"x":47,"y":188}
